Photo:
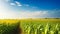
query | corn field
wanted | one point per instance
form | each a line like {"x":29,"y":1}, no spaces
{"x":30,"y":27}
{"x":41,"y":29}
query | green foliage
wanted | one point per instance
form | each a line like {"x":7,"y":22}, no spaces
{"x":9,"y":28}
{"x":40,"y":28}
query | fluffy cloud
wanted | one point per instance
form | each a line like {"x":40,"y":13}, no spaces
{"x":22,"y":14}
{"x":9,"y":14}
{"x":13,"y":4}
{"x":16,"y":3}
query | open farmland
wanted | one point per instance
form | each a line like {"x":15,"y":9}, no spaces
{"x":30,"y":26}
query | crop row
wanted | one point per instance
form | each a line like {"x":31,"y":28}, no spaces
{"x":41,"y":28}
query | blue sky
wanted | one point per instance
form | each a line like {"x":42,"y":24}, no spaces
{"x":41,"y":4}
{"x":30,"y":8}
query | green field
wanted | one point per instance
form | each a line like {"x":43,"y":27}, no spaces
{"x":30,"y":26}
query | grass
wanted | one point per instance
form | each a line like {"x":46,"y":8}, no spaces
{"x":30,"y":26}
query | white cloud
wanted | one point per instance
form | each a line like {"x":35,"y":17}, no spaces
{"x":8,"y":14}
{"x":27,"y":14}
{"x":18,"y":3}
{"x":12,"y":4}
